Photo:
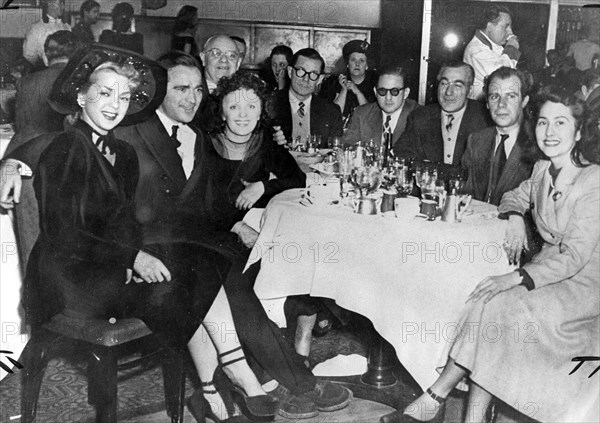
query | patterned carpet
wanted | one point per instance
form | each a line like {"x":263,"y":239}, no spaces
{"x":63,"y":396}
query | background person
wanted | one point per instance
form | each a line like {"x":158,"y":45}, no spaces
{"x":120,"y":35}
{"x":183,"y":30}
{"x":33,"y":46}
{"x":89,"y":12}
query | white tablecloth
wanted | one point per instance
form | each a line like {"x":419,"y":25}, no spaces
{"x":13,"y":333}
{"x":410,"y":278}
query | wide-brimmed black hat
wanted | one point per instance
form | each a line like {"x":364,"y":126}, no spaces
{"x":355,"y":46}
{"x":144,"y":100}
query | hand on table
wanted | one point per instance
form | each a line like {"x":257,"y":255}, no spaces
{"x":10,"y":182}
{"x":150,"y":269}
{"x":515,"y":238}
{"x":493,"y":285}
{"x":250,"y":195}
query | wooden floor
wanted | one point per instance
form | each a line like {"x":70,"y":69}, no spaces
{"x":359,"y":410}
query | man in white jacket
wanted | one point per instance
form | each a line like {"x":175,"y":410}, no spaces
{"x":493,"y":45}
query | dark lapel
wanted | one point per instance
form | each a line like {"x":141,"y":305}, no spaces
{"x":433,"y":141}
{"x":375,"y":117}
{"x":157,"y":140}
{"x":463,"y":132}
{"x":401,"y":123}
{"x":514,"y":168}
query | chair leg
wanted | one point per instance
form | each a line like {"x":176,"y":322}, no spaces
{"x":34,"y":358}
{"x":102,"y":384}
{"x":173,"y":367}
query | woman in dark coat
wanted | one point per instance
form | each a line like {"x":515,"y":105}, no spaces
{"x":89,"y":260}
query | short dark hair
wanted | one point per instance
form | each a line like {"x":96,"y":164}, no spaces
{"x":491,"y":14}
{"x":88,"y":5}
{"x":178,"y":58}
{"x":309,"y":53}
{"x":590,"y":78}
{"x":185,"y":19}
{"x":284,"y":51}
{"x":587,"y":149}
{"x":60,"y":44}
{"x":394,"y":70}
{"x":505,"y":72}
{"x":457,"y":64}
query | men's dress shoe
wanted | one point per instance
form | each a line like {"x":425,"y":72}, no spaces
{"x":294,"y":406}
{"x":329,"y":396}
{"x":257,"y":406}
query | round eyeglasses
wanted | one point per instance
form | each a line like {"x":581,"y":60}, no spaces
{"x":215,"y":53}
{"x":313,"y":76}
{"x":393,"y":91}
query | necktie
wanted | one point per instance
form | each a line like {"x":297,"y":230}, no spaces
{"x":497,"y":166}
{"x":450,"y":119}
{"x":176,"y":142}
{"x":301,"y":111}
{"x":386,"y":126}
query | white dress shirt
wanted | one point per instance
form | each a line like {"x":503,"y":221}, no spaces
{"x":393,"y":121}
{"x":186,"y":136}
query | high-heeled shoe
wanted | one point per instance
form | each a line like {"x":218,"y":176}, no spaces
{"x":400,"y":417}
{"x":256,"y":406}
{"x":200,"y":409}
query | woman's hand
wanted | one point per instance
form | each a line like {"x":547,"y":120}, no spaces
{"x":250,"y":195}
{"x":278,"y":136}
{"x":150,"y":269}
{"x":247,"y":235}
{"x":343,"y":82}
{"x":493,"y":285}
{"x":281,"y":82}
{"x":515,"y":239}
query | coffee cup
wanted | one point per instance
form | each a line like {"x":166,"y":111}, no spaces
{"x":406,"y":207}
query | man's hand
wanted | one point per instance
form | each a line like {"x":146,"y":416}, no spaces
{"x":250,"y":195}
{"x":512,"y":41}
{"x":247,"y":235}
{"x":150,"y":269}
{"x":515,"y":239}
{"x":10,"y":182}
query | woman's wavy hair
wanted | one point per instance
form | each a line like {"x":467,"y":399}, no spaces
{"x":587,"y":149}
{"x":248,"y":81}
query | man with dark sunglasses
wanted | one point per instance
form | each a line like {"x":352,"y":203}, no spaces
{"x":388,"y":115}
{"x":300,"y":112}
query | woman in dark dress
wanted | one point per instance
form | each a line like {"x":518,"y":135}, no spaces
{"x":119,"y":36}
{"x":89,"y":260}
{"x":275,"y":72}
{"x":355,"y":87}
{"x":183,"y":31}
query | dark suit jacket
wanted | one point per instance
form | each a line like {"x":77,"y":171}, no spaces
{"x":325,"y":116}
{"x":478,"y":160}
{"x":33,"y":115}
{"x":423,"y":140}
{"x":367,"y":122}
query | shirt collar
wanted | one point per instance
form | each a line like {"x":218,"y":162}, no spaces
{"x":167,"y":122}
{"x":457,"y":115}
{"x":294,"y":101}
{"x":53,"y":20}
{"x":394,"y":116}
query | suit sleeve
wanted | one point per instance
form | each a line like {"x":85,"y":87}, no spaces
{"x":352,"y":134}
{"x":519,"y":199}
{"x":407,"y":143}
{"x":30,"y":152}
{"x":580,"y":242}
{"x":336,"y":122}
{"x":67,"y":221}
{"x":288,"y":175}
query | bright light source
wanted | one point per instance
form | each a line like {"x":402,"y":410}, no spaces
{"x":451,"y":40}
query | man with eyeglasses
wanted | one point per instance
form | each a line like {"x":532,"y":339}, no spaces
{"x":500,"y":157}
{"x":300,"y":112}
{"x":388,"y":114}
{"x":438,"y":132}
{"x":220,"y":58}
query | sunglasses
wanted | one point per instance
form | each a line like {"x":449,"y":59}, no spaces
{"x":313,"y":76}
{"x":393,"y":91}
{"x":215,"y":53}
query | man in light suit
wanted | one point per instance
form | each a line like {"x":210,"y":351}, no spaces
{"x":163,"y":195}
{"x":392,"y":107}
{"x":300,"y":112}
{"x":438,"y":132}
{"x":499,"y":158}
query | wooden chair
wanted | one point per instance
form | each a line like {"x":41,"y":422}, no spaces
{"x":102,"y":342}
